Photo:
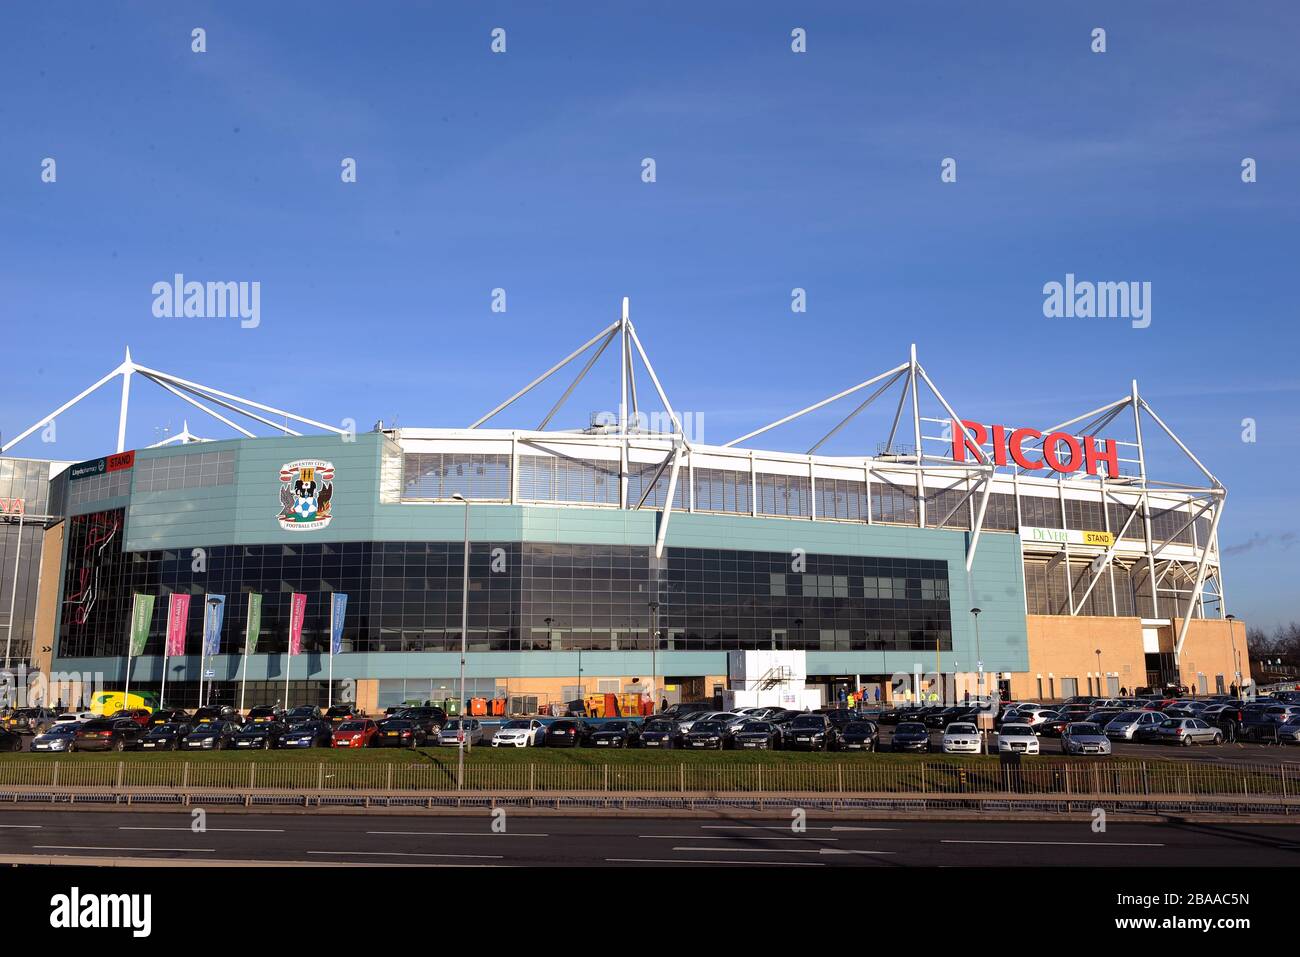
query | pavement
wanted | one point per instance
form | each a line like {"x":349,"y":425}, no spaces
{"x":514,"y":839}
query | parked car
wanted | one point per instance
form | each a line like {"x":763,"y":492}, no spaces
{"x":163,"y":737}
{"x":399,"y":733}
{"x":264,"y":714}
{"x":58,"y":738}
{"x":29,"y":720}
{"x":1129,"y":725}
{"x":304,"y":712}
{"x":658,"y":733}
{"x":224,"y":713}
{"x":260,"y":735}
{"x":565,"y":733}
{"x":860,"y":736}
{"x":939,"y":720}
{"x":961,"y":737}
{"x":460,"y":731}
{"x":1017,"y":738}
{"x":911,"y":736}
{"x":705,"y":734}
{"x":429,"y":718}
{"x":1261,"y":723}
{"x":520,"y":733}
{"x":757,"y":735}
{"x":10,"y":740}
{"x":1055,"y":727}
{"x":210,"y":736}
{"x":106,"y":734}
{"x":811,"y":732}
{"x":139,"y":715}
{"x":1289,"y":733}
{"x":1187,"y":731}
{"x":356,"y":733}
{"x":75,"y":717}
{"x":1035,"y":716}
{"x":614,"y":734}
{"x":170,"y":716}
{"x":312,"y":733}
{"x":344,"y":712}
{"x":1080,"y":737}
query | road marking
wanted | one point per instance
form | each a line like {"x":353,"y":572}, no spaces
{"x":678,"y":860}
{"x":460,"y":833}
{"x":91,"y":847}
{"x":238,"y":830}
{"x":35,"y":826}
{"x":1060,"y":843}
{"x":786,"y":827}
{"x":710,"y":837}
{"x":495,"y":857}
{"x":752,"y":850}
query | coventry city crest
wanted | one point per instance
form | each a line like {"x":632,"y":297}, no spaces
{"x":306,"y":487}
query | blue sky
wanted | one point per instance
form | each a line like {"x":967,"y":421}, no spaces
{"x":774,"y":170}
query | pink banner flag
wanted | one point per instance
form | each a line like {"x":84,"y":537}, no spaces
{"x":297,"y":612}
{"x":178,"y":616}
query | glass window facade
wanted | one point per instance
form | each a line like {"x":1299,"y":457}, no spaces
{"x":195,"y":470}
{"x":436,"y":476}
{"x":406,"y":596}
{"x":96,"y":488}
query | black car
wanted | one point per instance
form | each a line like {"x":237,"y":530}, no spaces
{"x":304,"y":712}
{"x":840,"y":717}
{"x":399,"y":733}
{"x":163,"y":737}
{"x":859,"y":736}
{"x":344,"y":712}
{"x":29,"y":720}
{"x":259,"y":735}
{"x":317,"y":733}
{"x":107,"y":734}
{"x":264,"y":714}
{"x":170,"y":716}
{"x":810,"y":732}
{"x":659,"y":733}
{"x":756,"y":735}
{"x":429,"y":718}
{"x":705,"y":734}
{"x":942,"y":717}
{"x":224,"y":713}
{"x":566,"y":733}
{"x":614,"y":734}
{"x":210,"y":736}
{"x":894,"y":715}
{"x":10,"y":740}
{"x":911,"y":736}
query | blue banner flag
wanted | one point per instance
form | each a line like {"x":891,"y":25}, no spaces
{"x":338,"y":606}
{"x":214,"y":610}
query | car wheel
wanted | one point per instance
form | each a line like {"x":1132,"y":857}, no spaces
{"x":266,"y":744}
{"x":1187,"y":742}
{"x":1218,"y":738}
{"x":119,"y":745}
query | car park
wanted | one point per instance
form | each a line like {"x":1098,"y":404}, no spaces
{"x":661,"y":734}
{"x":1129,"y":725}
{"x":520,"y":733}
{"x":564,"y":733}
{"x":259,"y":735}
{"x":209,"y":736}
{"x":1080,"y":737}
{"x":399,"y":733}
{"x":312,"y":733}
{"x":106,"y":734}
{"x":10,"y":740}
{"x":1017,"y":739}
{"x":163,"y":737}
{"x":961,"y":737}
{"x":355,"y":733}
{"x":705,"y":734}
{"x":614,"y":734}
{"x":910,"y":736}
{"x":1187,"y":731}
{"x":28,"y":720}
{"x":811,"y":732}
{"x":57,"y":739}
{"x":757,"y":735}
{"x":860,"y":736}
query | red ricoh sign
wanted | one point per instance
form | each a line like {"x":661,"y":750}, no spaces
{"x":1061,"y":451}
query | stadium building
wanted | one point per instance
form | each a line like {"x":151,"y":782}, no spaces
{"x":625,"y":555}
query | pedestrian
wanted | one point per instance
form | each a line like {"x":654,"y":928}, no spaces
{"x":1123,"y":691}
{"x":1233,"y":689}
{"x":663,"y":705}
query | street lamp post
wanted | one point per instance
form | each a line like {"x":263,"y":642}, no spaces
{"x":1236,"y":658}
{"x":464,"y":631}
{"x":1097,"y":652}
{"x":654,"y":653}
{"x":979,"y":658}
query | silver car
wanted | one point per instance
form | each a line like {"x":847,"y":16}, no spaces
{"x":1080,"y":737}
{"x":1289,"y":733}
{"x":451,"y":733}
{"x":1187,"y":731}
{"x":1130,"y":725}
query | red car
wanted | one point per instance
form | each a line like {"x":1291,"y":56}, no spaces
{"x":354,"y":734}
{"x":139,"y":715}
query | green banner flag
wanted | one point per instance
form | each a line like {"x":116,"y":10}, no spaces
{"x":254,"y":621}
{"x":141,"y":619}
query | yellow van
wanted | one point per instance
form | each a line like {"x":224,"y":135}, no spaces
{"x":108,"y":702}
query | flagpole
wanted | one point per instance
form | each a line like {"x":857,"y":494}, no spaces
{"x":243,"y":683}
{"x":207,"y":610}
{"x":126,"y":694}
{"x":329,"y":694}
{"x":162,"y":693}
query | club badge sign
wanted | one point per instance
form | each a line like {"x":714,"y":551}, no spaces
{"x":306,"y":490}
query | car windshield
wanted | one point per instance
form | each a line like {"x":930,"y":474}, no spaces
{"x":615,"y":726}
{"x":306,"y":727}
{"x":1084,"y":729}
{"x":663,"y":726}
{"x":708,"y":727}
{"x":857,"y":727}
{"x":755,"y":726}
{"x":60,"y":732}
{"x":911,"y":729}
{"x":1013,"y":729}
{"x":212,"y":727}
{"x":807,"y":721}
{"x":1128,"y":716}
{"x":961,"y":729}
{"x":457,"y":725}
{"x":352,"y":726}
{"x":515,"y":725}
{"x":164,"y":730}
